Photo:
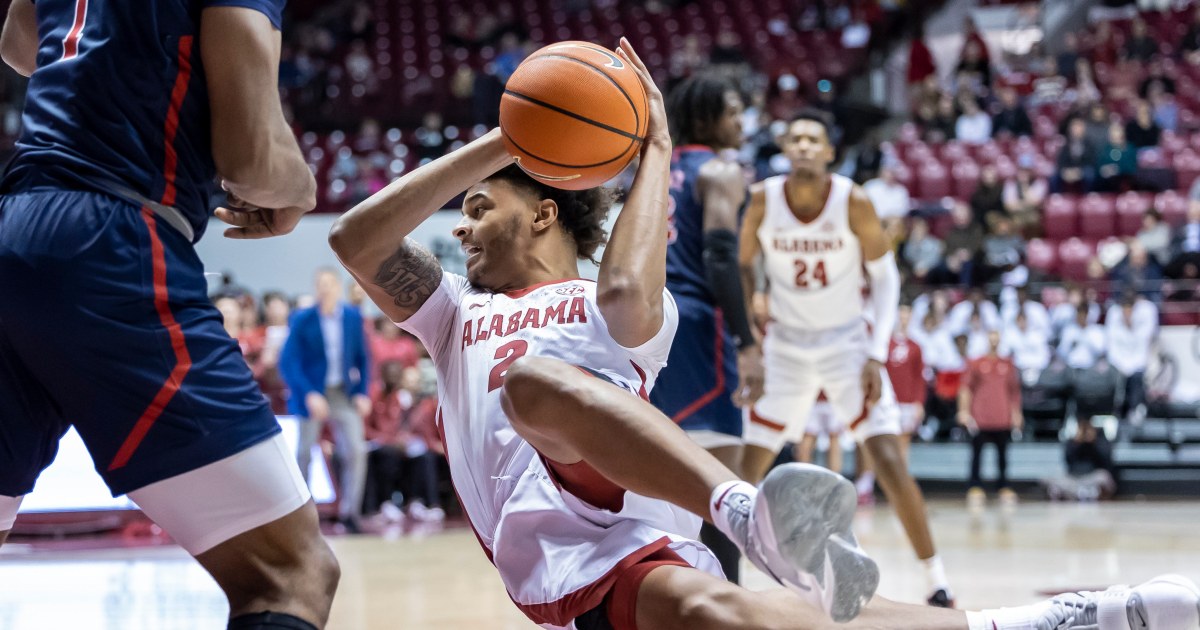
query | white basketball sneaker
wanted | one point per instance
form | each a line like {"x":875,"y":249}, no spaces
{"x":798,"y":532}
{"x":1167,"y":602}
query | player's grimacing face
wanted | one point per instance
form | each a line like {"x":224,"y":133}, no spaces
{"x":807,"y":146}
{"x":490,"y":232}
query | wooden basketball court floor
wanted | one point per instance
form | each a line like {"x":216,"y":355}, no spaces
{"x":995,"y":556}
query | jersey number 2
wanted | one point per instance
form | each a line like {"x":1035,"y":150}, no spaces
{"x":506,"y":354}
{"x":818,"y":274}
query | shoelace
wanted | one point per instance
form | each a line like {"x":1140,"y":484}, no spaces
{"x":1077,"y":611}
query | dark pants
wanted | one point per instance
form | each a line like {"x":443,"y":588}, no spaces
{"x":1000,"y":439}
{"x":1135,"y":393}
{"x":389,"y":471}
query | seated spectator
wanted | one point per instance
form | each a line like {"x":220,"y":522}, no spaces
{"x":1190,"y":44}
{"x":1140,"y":45}
{"x":1003,"y":250}
{"x":989,"y":407}
{"x":1155,"y":236}
{"x":1166,"y":109}
{"x":922,"y":251}
{"x":1075,"y":166}
{"x":1018,"y":301}
{"x":231,"y":314}
{"x":1082,"y":343}
{"x":962,"y":244}
{"x":1085,"y":90}
{"x":977,"y":337}
{"x":959,"y":316}
{"x":890,"y":197}
{"x":1063,"y":315}
{"x":1142,"y":131}
{"x":974,"y":126}
{"x":1185,"y":245}
{"x":945,"y":118}
{"x":431,"y":141}
{"x":973,"y":68}
{"x":1098,"y":124}
{"x":388,"y":343}
{"x":1027,"y":346}
{"x":1129,"y":342}
{"x":276,"y":310}
{"x":1011,"y":117}
{"x":1068,"y":57}
{"x":988,"y":198}
{"x":1090,"y":467}
{"x":1138,"y":273}
{"x":1117,"y":162}
{"x":1023,"y":196}
{"x":1156,"y":74}
{"x":402,"y":437}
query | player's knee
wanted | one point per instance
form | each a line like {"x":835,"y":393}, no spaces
{"x":528,"y":383}
{"x":887,"y":459}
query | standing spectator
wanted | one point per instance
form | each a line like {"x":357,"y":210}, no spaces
{"x":906,"y":370}
{"x":1027,"y":346}
{"x":976,"y":302}
{"x":1011,"y":118}
{"x":1155,"y":236}
{"x":988,"y":198}
{"x":889,"y":196}
{"x":1141,"y":131}
{"x":1129,"y":342}
{"x":989,"y":406}
{"x":1185,"y":246}
{"x":1117,"y":162}
{"x":1014,"y":302}
{"x":1140,"y":46}
{"x":1023,"y":196}
{"x":326,"y":366}
{"x":402,"y":437}
{"x":1082,"y":342}
{"x":1075,"y":166}
{"x":1139,"y":273}
{"x":921,"y":251}
{"x":1090,"y":467}
{"x":948,"y":370}
{"x":974,"y":126}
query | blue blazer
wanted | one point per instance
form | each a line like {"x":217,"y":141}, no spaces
{"x":302,"y":362}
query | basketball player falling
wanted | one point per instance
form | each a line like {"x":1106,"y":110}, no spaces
{"x":816,"y":233}
{"x":104,"y":319}
{"x":708,"y":192}
{"x":568,"y":477}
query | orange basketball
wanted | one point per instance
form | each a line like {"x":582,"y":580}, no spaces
{"x":573,"y":114}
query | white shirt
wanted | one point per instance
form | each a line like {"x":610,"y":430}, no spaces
{"x":1036,"y":315}
{"x":976,"y":129}
{"x":332,"y":333}
{"x":1082,"y":347}
{"x":890,"y":200}
{"x":1063,"y":316}
{"x":1029,"y":348}
{"x":1129,"y":343}
{"x":937,"y":349}
{"x":959,"y":318}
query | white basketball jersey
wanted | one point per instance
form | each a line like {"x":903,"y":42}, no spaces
{"x":814,"y":268}
{"x":473,"y":336}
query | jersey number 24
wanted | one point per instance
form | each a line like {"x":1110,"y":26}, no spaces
{"x":815,"y":279}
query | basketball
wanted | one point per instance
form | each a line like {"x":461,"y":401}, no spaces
{"x":573,"y":115}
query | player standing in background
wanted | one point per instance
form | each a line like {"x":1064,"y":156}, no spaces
{"x":817,"y":233}
{"x":906,"y":371}
{"x":708,"y":191}
{"x":105,"y":323}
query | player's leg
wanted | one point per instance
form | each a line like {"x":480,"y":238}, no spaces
{"x":718,"y":543}
{"x":806,"y":447}
{"x":833,"y":458}
{"x":790,"y":390}
{"x":631,"y":444}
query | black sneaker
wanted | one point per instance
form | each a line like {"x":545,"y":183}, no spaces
{"x":941,"y":599}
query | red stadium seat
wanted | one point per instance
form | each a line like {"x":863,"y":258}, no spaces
{"x":932,"y":181}
{"x":1041,"y":256}
{"x":966,"y":178}
{"x":1097,"y":218}
{"x":1172,"y":206}
{"x":1073,"y":257}
{"x":1059,"y":217}
{"x":1131,"y":207}
{"x":1187,"y":168}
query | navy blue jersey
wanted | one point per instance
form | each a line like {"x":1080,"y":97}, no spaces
{"x":685,"y":232}
{"x":118,"y":103}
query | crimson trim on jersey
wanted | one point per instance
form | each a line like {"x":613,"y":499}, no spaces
{"x":691,"y":147}
{"x":828,"y":193}
{"x":717,"y":389}
{"x":71,"y":41}
{"x":516,"y":293}
{"x":621,"y":604}
{"x":563,"y":611}
{"x":757,"y":419}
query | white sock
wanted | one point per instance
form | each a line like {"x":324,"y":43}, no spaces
{"x":935,"y":574}
{"x":730,"y":504}
{"x":866,"y":483}
{"x":1020,"y":618}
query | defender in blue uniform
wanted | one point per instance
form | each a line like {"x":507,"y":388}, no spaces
{"x":698,"y":387}
{"x":134,"y":110}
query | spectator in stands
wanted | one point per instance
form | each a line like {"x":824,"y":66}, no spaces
{"x":1082,"y":343}
{"x":390,"y":344}
{"x":1141,"y":45}
{"x":1018,"y":301}
{"x":727,"y":50}
{"x":1011,"y":118}
{"x":920,"y":59}
{"x":1190,"y":44}
{"x":976,"y":302}
{"x":402,"y":434}
{"x":512,"y":51}
{"x":941,"y":126}
{"x":276,"y":311}
{"x":889,"y":196}
{"x":1003,"y":250}
{"x":1068,"y":56}
{"x":326,"y":366}
{"x":431,"y":137}
{"x":989,"y":406}
{"x":977,"y":337}
{"x":988,"y":198}
{"x":1064,"y":315}
{"x":974,"y":126}
{"x":921,"y":251}
{"x":946,"y":355}
{"x":962,"y":244}
{"x":1185,"y":246}
{"x":1102,"y":45}
{"x":974,"y":69}
{"x":1129,"y":342}
{"x":1085,"y":88}
{"x":231,"y":314}
{"x":1028,"y":347}
{"x":1141,"y":131}
{"x":1090,"y":468}
{"x":1138,"y":273}
{"x":1075,"y":165}
{"x":1117,"y":162}
{"x":1156,"y":75}
{"x":1155,"y":236}
{"x":1023,"y":196}
{"x":1098,"y":124}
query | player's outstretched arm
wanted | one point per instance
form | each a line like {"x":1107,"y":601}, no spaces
{"x":883,"y":276}
{"x":750,"y":366}
{"x":722,"y":191}
{"x":19,"y":41}
{"x":253,"y":147}
{"x":633,"y":273}
{"x":371,"y":239}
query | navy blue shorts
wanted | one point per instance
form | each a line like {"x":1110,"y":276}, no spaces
{"x":106,"y":325}
{"x":696,"y":388}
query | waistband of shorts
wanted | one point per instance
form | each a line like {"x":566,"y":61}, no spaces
{"x":820,"y":337}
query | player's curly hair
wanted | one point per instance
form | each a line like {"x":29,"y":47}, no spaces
{"x":694,"y":106}
{"x":581,"y":213}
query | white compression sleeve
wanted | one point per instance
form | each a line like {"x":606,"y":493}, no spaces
{"x":884,"y":303}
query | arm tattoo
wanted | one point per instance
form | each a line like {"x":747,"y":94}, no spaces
{"x":410,"y":275}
